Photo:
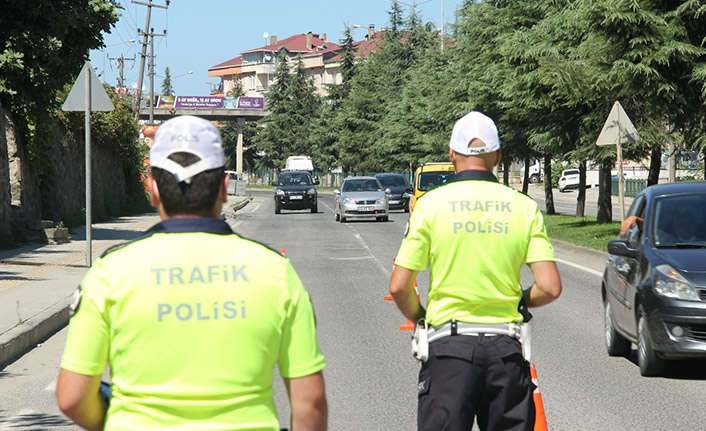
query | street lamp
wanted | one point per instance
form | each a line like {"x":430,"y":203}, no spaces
{"x":191,"y":72}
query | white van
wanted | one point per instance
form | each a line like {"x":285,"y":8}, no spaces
{"x":299,"y":163}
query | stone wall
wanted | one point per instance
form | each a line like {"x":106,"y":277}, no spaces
{"x":68,"y":182}
{"x":62,"y":195}
{"x":5,"y":197}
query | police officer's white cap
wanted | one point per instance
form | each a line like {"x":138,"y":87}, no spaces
{"x":474,"y":125}
{"x":188,"y":134}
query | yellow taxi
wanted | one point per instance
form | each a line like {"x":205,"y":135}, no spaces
{"x":428,"y":176}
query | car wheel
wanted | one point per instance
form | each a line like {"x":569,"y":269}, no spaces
{"x":615,"y":344}
{"x":406,"y":208}
{"x":534,"y":179}
{"x":315,"y":209}
{"x":650,"y":364}
{"x":277,"y":210}
{"x":384,"y":218}
{"x":561,"y":190}
{"x":337,"y":217}
{"x":342,"y":219}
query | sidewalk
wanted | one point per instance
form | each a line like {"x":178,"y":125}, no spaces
{"x":536,"y":191}
{"x":37,"y":281}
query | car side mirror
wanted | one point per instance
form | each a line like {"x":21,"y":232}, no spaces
{"x":388,"y":191}
{"x":410,"y":189}
{"x":621,"y":247}
{"x":316,"y":181}
{"x":336,"y":192}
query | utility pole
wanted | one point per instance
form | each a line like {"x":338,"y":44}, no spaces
{"x":151,"y":34}
{"x":120,"y":63}
{"x":143,"y":54}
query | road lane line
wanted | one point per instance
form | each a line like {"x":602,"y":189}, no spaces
{"x":581,"y":267}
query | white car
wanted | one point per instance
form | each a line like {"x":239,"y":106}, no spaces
{"x":361,"y":197}
{"x":569,"y":180}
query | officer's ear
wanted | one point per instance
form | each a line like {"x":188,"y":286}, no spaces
{"x":223,"y":192}
{"x":498,"y":155}
{"x":154,"y":191}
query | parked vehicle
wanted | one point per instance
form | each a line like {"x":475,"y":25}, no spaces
{"x":654,"y":284}
{"x":294,"y":190}
{"x":361,"y":197}
{"x":536,"y":172}
{"x":429,"y":176}
{"x":400,"y":190}
{"x":569,"y":180}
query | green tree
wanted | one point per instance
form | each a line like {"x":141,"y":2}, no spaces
{"x":45,"y":46}
{"x":293,"y":107}
{"x":167,"y":88}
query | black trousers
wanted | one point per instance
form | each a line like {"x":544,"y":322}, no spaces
{"x":481,"y":377}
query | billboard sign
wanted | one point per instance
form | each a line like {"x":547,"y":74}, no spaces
{"x":208,"y":102}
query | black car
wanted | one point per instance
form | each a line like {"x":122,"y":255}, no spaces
{"x":654,"y":284}
{"x":400,"y":190}
{"x":294,"y":190}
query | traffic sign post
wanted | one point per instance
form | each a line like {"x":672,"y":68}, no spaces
{"x":87,"y":94}
{"x":618,"y":129}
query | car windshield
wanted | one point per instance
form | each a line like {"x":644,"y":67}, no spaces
{"x":571,"y":172}
{"x":392,"y":181}
{"x":370,"y":185}
{"x":431,"y":180}
{"x":298,"y":179}
{"x":680,"y":221}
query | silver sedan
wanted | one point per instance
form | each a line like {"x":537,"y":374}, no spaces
{"x":361,"y":197}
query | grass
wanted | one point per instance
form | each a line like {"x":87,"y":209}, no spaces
{"x":585,"y":231}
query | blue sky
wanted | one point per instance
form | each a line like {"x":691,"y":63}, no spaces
{"x":201,"y":34}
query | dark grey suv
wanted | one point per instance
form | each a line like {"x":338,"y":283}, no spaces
{"x":400,"y":190}
{"x":295,"y":190}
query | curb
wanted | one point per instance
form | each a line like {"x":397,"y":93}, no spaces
{"x":25,"y":336}
{"x":595,"y":253}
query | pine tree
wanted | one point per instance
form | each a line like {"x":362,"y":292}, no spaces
{"x":167,"y":88}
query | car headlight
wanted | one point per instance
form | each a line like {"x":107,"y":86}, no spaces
{"x":381,"y":201}
{"x":671,"y":284}
{"x":406,"y":195}
{"x":311,"y":191}
{"x":279,"y":192}
{"x":346,"y":200}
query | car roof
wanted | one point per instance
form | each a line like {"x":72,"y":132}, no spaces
{"x":295,"y":172}
{"x":359,"y":178}
{"x":389,"y":175}
{"x":675,"y":188}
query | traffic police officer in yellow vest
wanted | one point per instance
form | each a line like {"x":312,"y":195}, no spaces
{"x":192,"y":318}
{"x":475,"y":234}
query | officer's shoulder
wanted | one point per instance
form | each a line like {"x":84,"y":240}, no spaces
{"x":519,"y":196}
{"x":128,"y":243}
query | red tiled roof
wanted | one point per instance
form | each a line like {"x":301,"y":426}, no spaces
{"x":296,"y":43}
{"x":362,"y":47}
{"x":233,"y":62}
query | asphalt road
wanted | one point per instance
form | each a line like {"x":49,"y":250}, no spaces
{"x":371,"y":377}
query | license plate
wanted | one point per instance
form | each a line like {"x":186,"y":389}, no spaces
{"x":394,"y":202}
{"x":361,"y":209}
{"x":294,"y":198}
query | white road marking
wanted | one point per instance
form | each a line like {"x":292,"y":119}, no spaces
{"x":367,"y":249}
{"x":51,"y":386}
{"x":581,"y":267}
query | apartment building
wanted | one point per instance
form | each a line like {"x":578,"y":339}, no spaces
{"x":255,"y":69}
